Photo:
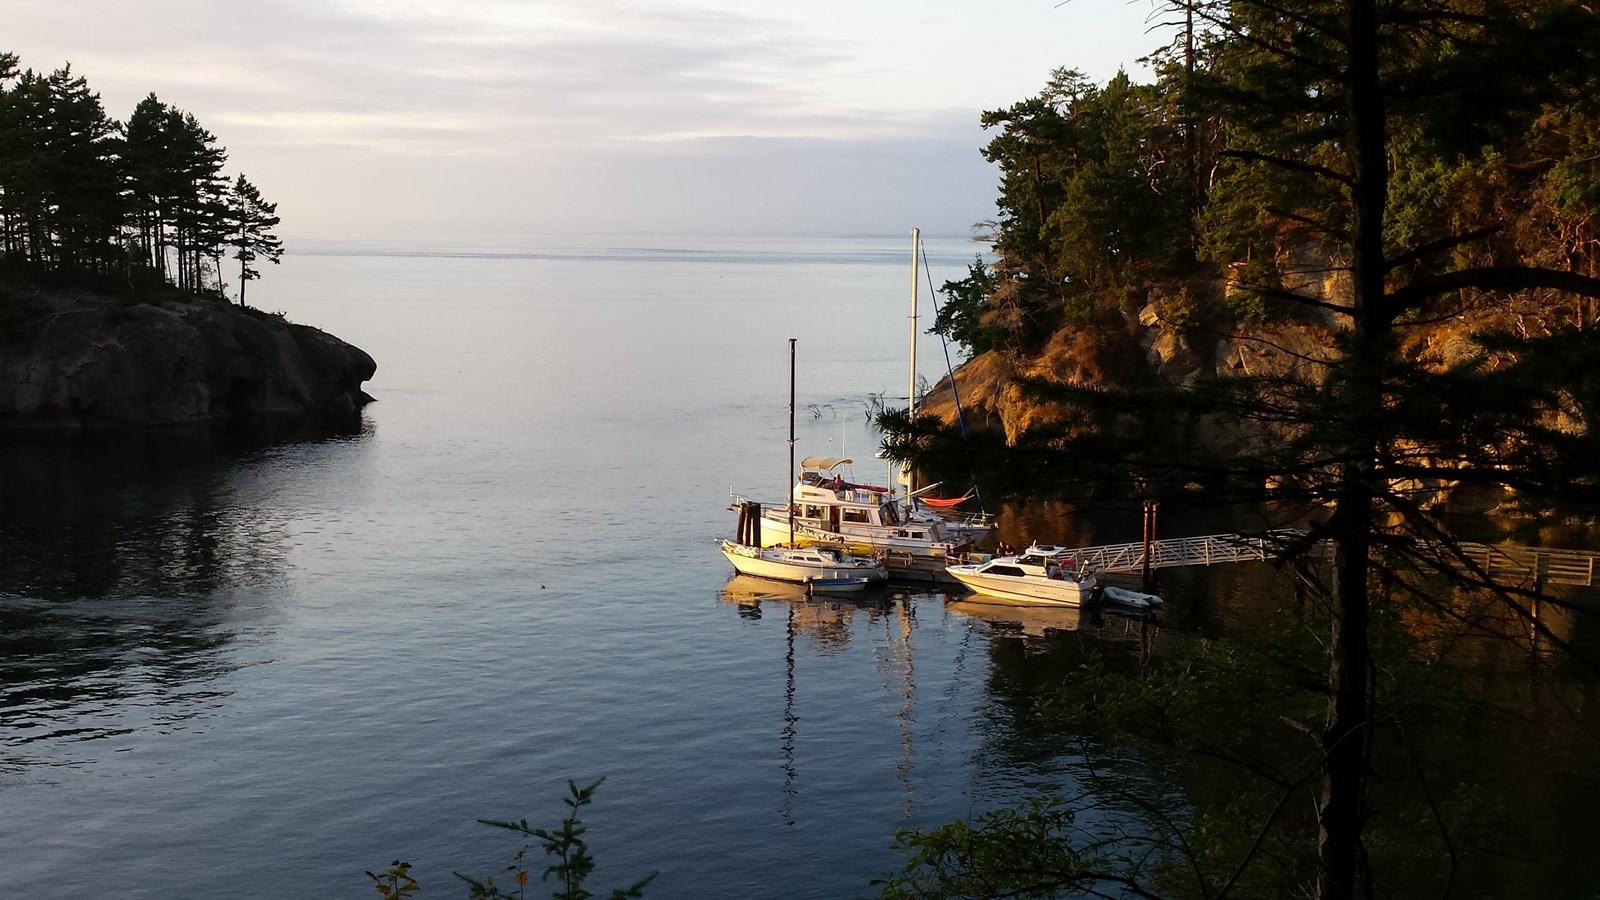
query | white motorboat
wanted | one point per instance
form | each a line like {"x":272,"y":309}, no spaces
{"x":1049,"y":575}
{"x":1037,"y":575}
{"x":819,"y":568}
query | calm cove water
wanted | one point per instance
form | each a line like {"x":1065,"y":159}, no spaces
{"x":228,"y":669}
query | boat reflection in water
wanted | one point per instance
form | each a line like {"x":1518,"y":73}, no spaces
{"x":829,"y":623}
{"x":1030,"y":620}
{"x":823,"y":617}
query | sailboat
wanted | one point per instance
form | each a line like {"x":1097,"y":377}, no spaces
{"x":819,"y":568}
{"x":825,"y":508}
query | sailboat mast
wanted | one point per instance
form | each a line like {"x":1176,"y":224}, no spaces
{"x":911,"y":393}
{"x":791,"y":441}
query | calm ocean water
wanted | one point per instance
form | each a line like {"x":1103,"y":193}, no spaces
{"x":228,"y":668}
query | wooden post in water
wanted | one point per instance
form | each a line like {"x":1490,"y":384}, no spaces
{"x":1147,"y":574}
{"x":749,"y":530}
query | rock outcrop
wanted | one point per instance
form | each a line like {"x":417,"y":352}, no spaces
{"x":74,"y":361}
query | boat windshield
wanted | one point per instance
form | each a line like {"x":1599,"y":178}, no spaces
{"x":891,"y":516}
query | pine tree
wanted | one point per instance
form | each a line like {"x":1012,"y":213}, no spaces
{"x":251,"y":220}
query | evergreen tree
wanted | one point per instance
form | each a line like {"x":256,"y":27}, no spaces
{"x":80,"y":196}
{"x":251,"y":220}
{"x":82,"y":155}
{"x":24,"y":180}
{"x":146,"y":158}
{"x":196,"y":196}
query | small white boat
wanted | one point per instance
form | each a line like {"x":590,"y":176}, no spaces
{"x":818,"y":568}
{"x":1037,"y":575}
{"x":1110,"y":593}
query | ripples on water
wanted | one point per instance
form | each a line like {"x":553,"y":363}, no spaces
{"x":227,"y":663}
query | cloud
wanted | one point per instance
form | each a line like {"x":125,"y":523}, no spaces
{"x":509,"y":73}
{"x":380,"y":114}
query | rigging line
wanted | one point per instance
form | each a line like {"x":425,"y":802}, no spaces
{"x":944,"y":344}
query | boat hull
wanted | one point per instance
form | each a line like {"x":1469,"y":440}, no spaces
{"x":1050,"y":592}
{"x":1131,"y":599}
{"x":799,"y":567}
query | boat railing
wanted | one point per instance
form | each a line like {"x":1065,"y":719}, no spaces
{"x":735,"y":499}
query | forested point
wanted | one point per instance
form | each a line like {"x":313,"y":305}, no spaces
{"x":1216,"y":198}
{"x":123,"y":207}
{"x":1335,"y":265}
{"x":117,"y":241}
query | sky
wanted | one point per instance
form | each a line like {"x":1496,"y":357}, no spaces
{"x":539,"y":117}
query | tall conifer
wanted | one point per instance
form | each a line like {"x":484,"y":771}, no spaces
{"x":251,"y":220}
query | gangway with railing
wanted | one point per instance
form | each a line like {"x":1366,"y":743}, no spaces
{"x":1508,"y":564}
{"x":1504,"y":563}
{"x":1203,"y":550}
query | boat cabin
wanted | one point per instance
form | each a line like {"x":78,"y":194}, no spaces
{"x":825,"y":504}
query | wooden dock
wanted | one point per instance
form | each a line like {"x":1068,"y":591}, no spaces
{"x":919,"y":567}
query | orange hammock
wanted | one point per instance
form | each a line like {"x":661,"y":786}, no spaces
{"x":948,"y":503}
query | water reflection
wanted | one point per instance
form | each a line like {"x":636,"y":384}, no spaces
{"x":989,"y":663}
{"x":1018,"y":619}
{"x":823,"y":619}
{"x":143,"y":514}
{"x":88,"y":670}
{"x":128,"y":567}
{"x":827,"y":624}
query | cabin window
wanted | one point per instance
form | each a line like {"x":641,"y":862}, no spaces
{"x":811,"y":512}
{"x":858,"y":516}
{"x":1011,"y":571}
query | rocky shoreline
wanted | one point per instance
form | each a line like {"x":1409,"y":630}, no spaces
{"x":75,"y":361}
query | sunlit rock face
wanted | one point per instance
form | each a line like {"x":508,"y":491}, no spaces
{"x":70,"y":361}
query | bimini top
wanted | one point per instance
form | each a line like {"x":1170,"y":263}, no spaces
{"x":824,"y":462}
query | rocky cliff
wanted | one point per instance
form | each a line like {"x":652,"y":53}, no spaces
{"x":1166,"y":339}
{"x":78,"y":361}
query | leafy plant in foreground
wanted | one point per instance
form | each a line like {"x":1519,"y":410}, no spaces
{"x":572,"y":863}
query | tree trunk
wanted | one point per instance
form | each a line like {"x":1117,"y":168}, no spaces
{"x":1342,"y":813}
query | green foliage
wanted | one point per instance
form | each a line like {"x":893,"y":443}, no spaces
{"x":395,"y":881}
{"x":1034,"y":850}
{"x":961,"y":318}
{"x":1090,"y":207}
{"x":570,"y":861}
{"x":85,"y":199}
